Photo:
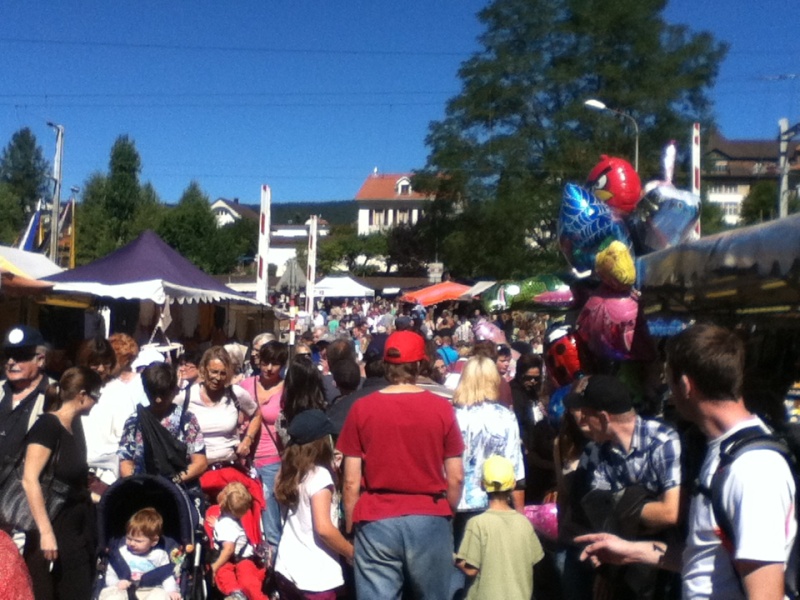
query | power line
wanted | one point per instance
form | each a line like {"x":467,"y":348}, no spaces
{"x":252,"y":49}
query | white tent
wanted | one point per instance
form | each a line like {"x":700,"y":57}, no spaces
{"x":341,"y":287}
{"x":27,"y":264}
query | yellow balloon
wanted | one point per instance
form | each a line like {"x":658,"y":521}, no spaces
{"x":614,"y":266}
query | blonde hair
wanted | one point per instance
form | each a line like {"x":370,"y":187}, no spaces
{"x":480,"y":382}
{"x":234,"y":499}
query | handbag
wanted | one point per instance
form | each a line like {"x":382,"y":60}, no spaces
{"x":15,"y":511}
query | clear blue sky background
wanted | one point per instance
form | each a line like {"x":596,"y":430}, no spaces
{"x":309,"y":95}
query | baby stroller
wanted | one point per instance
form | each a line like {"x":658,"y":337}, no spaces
{"x":212,"y":483}
{"x":182,"y":536}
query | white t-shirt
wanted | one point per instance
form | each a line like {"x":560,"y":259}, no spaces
{"x":758,"y":494}
{"x":139,"y":564}
{"x":302,"y":558}
{"x":103,"y":426}
{"x":220,"y":422}
{"x":228,"y":529}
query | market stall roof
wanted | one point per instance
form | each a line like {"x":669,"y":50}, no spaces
{"x":145,"y":269}
{"x":30,"y":265}
{"x":342,"y":286}
{"x":440,"y":292}
{"x":14,"y":285}
{"x":754,"y":268}
{"x":476,"y":290}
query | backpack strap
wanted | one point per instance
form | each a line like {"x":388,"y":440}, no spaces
{"x":744,"y":440}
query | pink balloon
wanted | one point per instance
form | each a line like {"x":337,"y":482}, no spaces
{"x":485,"y":330}
{"x":544,"y":518}
{"x":607,"y":324}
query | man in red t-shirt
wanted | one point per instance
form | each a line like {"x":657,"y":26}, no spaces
{"x":403,"y":476}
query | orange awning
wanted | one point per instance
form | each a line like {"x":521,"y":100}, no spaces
{"x":441,"y":292}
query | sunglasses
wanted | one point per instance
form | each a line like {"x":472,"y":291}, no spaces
{"x":536,"y":378}
{"x":94,"y":396}
{"x":20,"y":355}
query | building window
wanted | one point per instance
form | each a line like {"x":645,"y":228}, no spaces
{"x":402,"y":216}
{"x":723,"y":189}
{"x":403,"y":186}
{"x":721,"y":166}
{"x":730,"y":209}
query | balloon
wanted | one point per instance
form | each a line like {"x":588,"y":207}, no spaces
{"x":561,"y":355}
{"x":547,"y":290}
{"x":485,"y":330}
{"x":614,"y":266}
{"x":607,"y":323}
{"x":555,"y":408}
{"x":665,"y":217}
{"x":544,"y":518}
{"x":616,"y":182}
{"x":585,"y":224}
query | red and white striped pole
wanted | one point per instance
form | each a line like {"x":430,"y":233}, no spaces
{"x":262,"y":276}
{"x":696,"y":168}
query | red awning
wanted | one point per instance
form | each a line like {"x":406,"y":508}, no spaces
{"x":441,"y":292}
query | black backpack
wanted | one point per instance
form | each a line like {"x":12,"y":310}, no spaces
{"x":744,"y":440}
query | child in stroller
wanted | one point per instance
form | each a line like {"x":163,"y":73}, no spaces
{"x":179,"y":540}
{"x":139,"y":563}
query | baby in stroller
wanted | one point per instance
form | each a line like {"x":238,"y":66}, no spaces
{"x":139,"y":564}
{"x":127,"y":508}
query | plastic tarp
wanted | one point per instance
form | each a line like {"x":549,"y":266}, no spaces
{"x":477,"y":290}
{"x":29,"y":265}
{"x":146,"y":269}
{"x":434,"y":294}
{"x":751,"y":267}
{"x":341,"y":287}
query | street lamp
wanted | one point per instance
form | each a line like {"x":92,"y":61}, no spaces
{"x":597,"y":105}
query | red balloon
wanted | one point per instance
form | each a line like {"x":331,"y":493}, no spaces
{"x":616,"y":182}
{"x":562,"y":356}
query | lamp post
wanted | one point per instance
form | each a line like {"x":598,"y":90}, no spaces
{"x":597,"y":105}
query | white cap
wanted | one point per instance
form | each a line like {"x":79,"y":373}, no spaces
{"x":146,"y":357}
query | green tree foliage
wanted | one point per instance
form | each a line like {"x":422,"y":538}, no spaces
{"x":761,"y":204}
{"x":344,"y":250}
{"x":191,"y":228}
{"x":711,"y":218}
{"x":405,"y":250}
{"x":519,"y":130}
{"x":25,"y":175}
{"x":11,"y":217}
{"x":123,"y":192}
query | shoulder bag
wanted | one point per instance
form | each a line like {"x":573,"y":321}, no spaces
{"x":15,"y":511}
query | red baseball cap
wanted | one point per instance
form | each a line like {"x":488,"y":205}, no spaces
{"x":404,"y":347}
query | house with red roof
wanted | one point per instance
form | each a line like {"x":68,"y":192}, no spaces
{"x":386,"y":200}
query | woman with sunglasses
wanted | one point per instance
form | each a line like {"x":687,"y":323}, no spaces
{"x":60,"y":553}
{"x":535,"y":431}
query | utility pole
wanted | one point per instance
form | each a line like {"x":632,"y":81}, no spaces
{"x":785,"y":136}
{"x":56,"y":191}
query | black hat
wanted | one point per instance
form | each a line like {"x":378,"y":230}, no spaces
{"x":603,"y":393}
{"x":22,"y":336}
{"x":402,"y":323}
{"x":376,"y":347}
{"x":308,"y":426}
{"x":523,"y":348}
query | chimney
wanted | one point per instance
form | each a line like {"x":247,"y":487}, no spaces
{"x":236,"y":201}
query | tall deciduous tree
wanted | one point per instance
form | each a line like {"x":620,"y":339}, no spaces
{"x":123,"y":192}
{"x":518,"y":131}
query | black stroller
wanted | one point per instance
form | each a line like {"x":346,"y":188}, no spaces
{"x":183,"y":536}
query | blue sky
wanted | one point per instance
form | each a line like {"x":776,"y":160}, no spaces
{"x":306,"y":96}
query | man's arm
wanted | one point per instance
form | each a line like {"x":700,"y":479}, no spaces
{"x":606,"y":548}
{"x":664,"y":512}
{"x":762,"y":581}
{"x":454,"y":472}
{"x":351,"y":489}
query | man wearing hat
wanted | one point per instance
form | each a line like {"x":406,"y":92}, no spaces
{"x":405,"y":445}
{"x":23,"y":388}
{"x":631,"y":465}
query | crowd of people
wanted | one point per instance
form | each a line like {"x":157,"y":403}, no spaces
{"x":391,"y":454}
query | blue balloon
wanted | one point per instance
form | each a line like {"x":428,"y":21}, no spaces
{"x":585,"y":224}
{"x":555,"y":410}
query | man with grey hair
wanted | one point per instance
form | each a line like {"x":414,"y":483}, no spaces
{"x":22,"y":391}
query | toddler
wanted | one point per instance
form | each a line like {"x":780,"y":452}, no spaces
{"x":235,"y":573}
{"x":139,"y":563}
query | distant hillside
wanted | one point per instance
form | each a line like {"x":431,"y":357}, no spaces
{"x":343,"y":212}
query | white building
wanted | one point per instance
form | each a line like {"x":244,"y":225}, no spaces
{"x":386,"y":200}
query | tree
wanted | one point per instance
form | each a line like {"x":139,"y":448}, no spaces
{"x":190,"y":228}
{"x":12,"y":218}
{"x":761,"y":204}
{"x":25,"y":175}
{"x":24,"y":170}
{"x":518,"y":131}
{"x":123,"y":192}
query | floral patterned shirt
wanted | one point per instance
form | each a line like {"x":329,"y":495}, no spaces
{"x":132,"y":448}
